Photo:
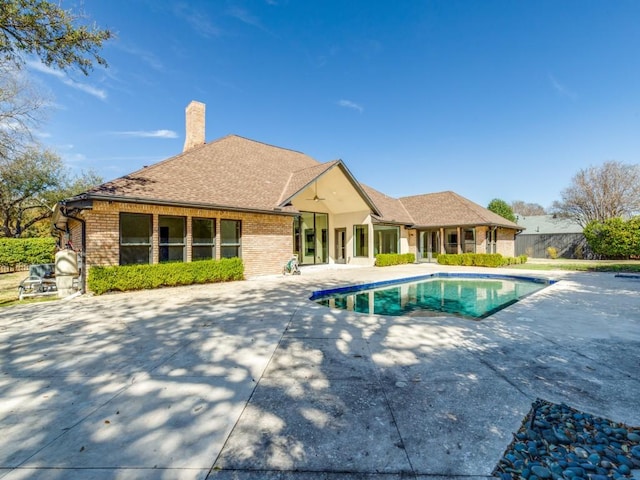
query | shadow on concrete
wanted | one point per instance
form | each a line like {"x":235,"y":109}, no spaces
{"x":251,"y":380}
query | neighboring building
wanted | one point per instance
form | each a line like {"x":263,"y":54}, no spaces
{"x":238,"y":197}
{"x":544,"y":231}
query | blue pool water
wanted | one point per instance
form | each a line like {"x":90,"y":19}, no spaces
{"x":473,"y":296}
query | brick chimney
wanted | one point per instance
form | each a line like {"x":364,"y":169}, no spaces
{"x":195,"y":125}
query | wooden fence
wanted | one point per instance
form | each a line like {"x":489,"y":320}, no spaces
{"x":568,"y":245}
{"x":21,"y":267}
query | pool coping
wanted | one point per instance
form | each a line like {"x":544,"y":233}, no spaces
{"x":318,"y":294}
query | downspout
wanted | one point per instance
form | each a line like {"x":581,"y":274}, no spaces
{"x":83,"y":255}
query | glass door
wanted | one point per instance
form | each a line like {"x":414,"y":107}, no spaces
{"x":429,"y":245}
{"x":311,"y":241}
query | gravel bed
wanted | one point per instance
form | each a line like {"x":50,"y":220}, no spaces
{"x":560,"y":442}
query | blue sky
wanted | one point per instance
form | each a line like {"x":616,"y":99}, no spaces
{"x":504,"y":99}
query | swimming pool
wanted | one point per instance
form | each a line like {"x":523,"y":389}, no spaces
{"x":468,"y":295}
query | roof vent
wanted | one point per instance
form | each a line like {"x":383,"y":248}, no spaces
{"x":195,"y":134}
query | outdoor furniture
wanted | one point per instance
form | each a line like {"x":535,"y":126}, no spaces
{"x":40,"y":282}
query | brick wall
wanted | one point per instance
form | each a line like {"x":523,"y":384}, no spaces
{"x":266,"y":243}
{"x":481,"y":239}
{"x":506,"y":243}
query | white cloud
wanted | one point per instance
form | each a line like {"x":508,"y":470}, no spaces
{"x":562,"y":90}
{"x":198,"y":20}
{"x":244,"y":16}
{"x":350,"y":104}
{"x":64,"y":78}
{"x":148,"y":134}
{"x":147,"y":57}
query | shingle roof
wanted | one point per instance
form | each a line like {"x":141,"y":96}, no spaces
{"x":450,"y":209}
{"x":237,"y":173}
{"x":232,"y":172}
{"x":301,"y":178}
{"x":547,"y":224}
{"x":391,"y":209}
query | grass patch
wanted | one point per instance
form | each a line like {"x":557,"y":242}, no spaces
{"x":9,"y":283}
{"x":583,"y":266}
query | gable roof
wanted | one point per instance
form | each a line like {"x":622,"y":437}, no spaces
{"x":236,"y":173}
{"x":301,"y":179}
{"x":391,"y":209}
{"x":445,"y":209}
{"x":547,"y":224}
{"x":232,"y":172}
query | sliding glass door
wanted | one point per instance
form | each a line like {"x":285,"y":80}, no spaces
{"x":311,"y":239}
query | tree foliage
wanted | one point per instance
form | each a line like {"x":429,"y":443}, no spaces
{"x":55,"y":35}
{"x":31,"y":183}
{"x":501,"y":208}
{"x":601,"y":193}
{"x":614,"y":237}
{"x":21,"y":109}
{"x":527,"y":209}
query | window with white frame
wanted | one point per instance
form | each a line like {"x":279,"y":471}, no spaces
{"x":361,"y":240}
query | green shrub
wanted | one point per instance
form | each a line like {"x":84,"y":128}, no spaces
{"x":139,"y":277}
{"x":552,"y":252}
{"x":27,"y":251}
{"x":388,"y":259}
{"x":449,"y":259}
{"x":479,"y":259}
{"x":614,"y":238}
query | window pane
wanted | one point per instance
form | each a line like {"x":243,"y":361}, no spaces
{"x":134,"y":255}
{"x":361,"y":234}
{"x":385,"y":239}
{"x":171,"y":254}
{"x":229,"y":252}
{"x":202,"y":253}
{"x":322,"y":243}
{"x":203,"y":231}
{"x":230,"y":232}
{"x":135,"y":228}
{"x":171,"y":230}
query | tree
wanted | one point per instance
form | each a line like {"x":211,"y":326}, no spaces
{"x":600,"y":193}
{"x":614,"y":238}
{"x":44,"y":29}
{"x":21,"y":109}
{"x":526,"y":209}
{"x":502,"y":208}
{"x":30,"y":185}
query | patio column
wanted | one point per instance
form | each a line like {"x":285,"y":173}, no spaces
{"x":441,"y":246}
{"x":459,"y":230}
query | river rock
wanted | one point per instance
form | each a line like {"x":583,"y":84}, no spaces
{"x":541,"y":472}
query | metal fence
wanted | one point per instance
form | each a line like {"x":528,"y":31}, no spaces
{"x":568,"y":245}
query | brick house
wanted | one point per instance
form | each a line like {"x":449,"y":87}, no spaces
{"x":239,"y":197}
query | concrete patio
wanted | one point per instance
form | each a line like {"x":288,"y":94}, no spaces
{"x":250,"y":380}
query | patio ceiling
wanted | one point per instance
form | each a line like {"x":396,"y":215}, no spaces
{"x":336,"y":194}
